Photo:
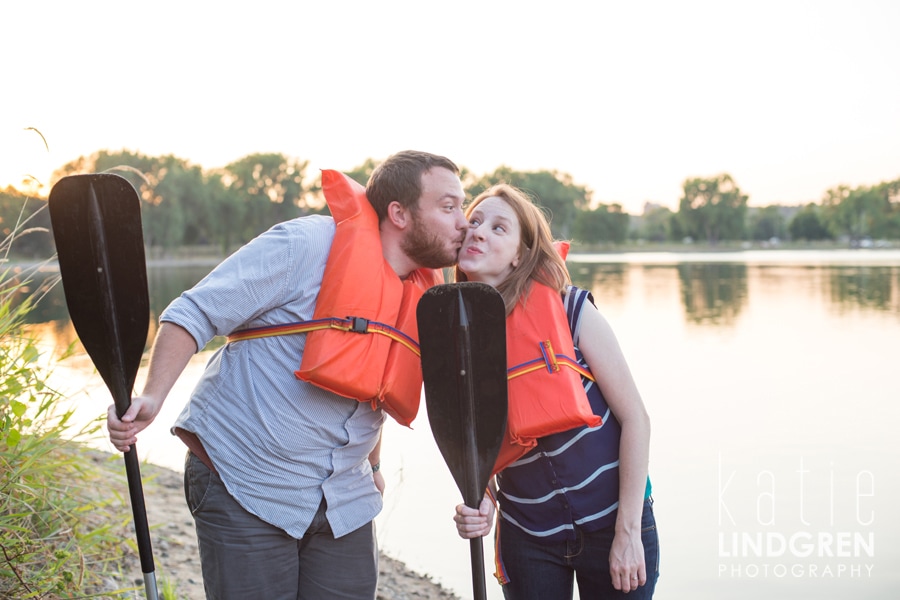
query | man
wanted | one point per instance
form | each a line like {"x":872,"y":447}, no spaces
{"x":282,"y":476}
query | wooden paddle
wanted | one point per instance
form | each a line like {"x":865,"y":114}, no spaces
{"x":462,"y":337}
{"x":96,"y":222}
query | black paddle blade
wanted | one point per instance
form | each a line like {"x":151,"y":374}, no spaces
{"x":96,"y":223}
{"x":462,"y":336}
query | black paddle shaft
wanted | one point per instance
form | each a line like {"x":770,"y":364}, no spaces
{"x":473,"y":490}
{"x":462,"y":337}
{"x":96,"y":222}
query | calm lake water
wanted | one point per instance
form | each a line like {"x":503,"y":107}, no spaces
{"x":772,"y":382}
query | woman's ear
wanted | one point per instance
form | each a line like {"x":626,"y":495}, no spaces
{"x":398,"y":215}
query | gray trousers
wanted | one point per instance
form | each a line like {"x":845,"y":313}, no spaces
{"x":243,"y":557}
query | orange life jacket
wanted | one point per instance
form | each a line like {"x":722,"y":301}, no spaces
{"x":546,"y":393}
{"x":362,"y":341}
{"x":360,"y":284}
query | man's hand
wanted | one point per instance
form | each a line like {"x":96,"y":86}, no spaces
{"x":123,"y":432}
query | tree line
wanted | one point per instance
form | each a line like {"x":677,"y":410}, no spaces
{"x":714,"y":210}
{"x":185,"y":205}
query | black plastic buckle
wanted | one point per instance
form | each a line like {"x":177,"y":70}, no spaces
{"x":359,"y":325}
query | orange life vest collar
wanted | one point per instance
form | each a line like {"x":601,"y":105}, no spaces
{"x":359,"y":285}
{"x":361,"y":294}
{"x":546,"y":393}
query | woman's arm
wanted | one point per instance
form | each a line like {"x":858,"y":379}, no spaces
{"x":604,"y":356}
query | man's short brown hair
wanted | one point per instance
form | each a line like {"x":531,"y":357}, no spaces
{"x":399,"y":179}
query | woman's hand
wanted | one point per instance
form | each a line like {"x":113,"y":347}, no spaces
{"x":626,"y":561}
{"x":472,"y":523}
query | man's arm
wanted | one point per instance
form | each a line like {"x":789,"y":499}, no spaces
{"x":172,"y":349}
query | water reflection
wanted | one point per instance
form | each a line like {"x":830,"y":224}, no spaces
{"x":607,"y":280}
{"x":713,"y":293}
{"x":163,"y":283}
{"x":710,"y":294}
{"x":716,"y":293}
{"x":865,"y":287}
{"x":167,"y":283}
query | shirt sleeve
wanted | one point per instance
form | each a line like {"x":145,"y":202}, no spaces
{"x":249,"y":285}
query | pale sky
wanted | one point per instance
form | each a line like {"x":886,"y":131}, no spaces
{"x":630,"y":98}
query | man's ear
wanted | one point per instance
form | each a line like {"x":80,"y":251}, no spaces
{"x":398,"y":215}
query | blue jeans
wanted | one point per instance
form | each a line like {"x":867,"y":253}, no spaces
{"x":244,"y":557}
{"x":542,"y":570}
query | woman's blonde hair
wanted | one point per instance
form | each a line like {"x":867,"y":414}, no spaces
{"x":538,"y":258}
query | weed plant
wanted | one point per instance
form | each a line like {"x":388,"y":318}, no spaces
{"x":62,"y":534}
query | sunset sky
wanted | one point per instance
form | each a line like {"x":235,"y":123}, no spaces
{"x":630,"y":98}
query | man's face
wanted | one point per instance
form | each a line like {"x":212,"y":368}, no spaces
{"x":439,"y":225}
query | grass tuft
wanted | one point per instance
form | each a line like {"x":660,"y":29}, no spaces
{"x":62,"y":534}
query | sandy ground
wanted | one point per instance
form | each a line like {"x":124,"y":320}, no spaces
{"x":178,"y":562}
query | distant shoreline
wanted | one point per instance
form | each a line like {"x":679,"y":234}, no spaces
{"x":186,"y":259}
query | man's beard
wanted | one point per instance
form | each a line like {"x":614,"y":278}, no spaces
{"x":426,"y":248}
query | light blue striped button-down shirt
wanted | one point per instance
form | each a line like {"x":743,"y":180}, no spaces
{"x":278,"y":443}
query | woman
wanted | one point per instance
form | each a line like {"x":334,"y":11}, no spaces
{"x":577,"y":506}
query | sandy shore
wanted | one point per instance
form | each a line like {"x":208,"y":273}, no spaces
{"x":178,"y":562}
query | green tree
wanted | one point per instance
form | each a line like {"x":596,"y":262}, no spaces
{"x":179,"y":204}
{"x":361,"y":173}
{"x":852,"y":212}
{"x":809,"y":225}
{"x":142,"y":171}
{"x":767,"y":223}
{"x":713,"y":209}
{"x":225,"y":222}
{"x":657,"y":224}
{"x":271,"y":187}
{"x":606,"y":224}
{"x":552,"y":190}
{"x":887,"y":226}
{"x":197,"y":200}
{"x":162,"y":215}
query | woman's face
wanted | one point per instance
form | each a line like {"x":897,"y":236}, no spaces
{"x":491,"y":249}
